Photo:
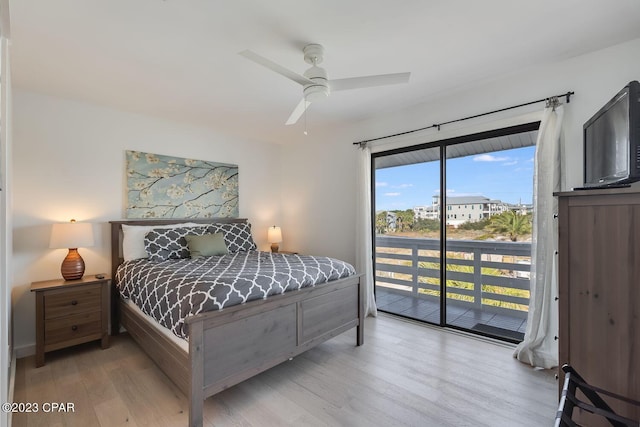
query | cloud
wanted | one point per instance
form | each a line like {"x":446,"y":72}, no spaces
{"x":392,"y":194}
{"x":489,"y":158}
{"x":386,"y":184}
{"x":515,"y":162}
{"x":449,"y":190}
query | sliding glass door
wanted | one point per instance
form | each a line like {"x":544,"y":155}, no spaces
{"x":488,"y":240}
{"x":453,"y":219}
{"x":407,"y":241}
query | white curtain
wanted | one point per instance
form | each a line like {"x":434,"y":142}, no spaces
{"x":364,"y":256}
{"x":540,"y":346}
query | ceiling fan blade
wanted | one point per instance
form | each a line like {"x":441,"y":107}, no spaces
{"x":275,"y":67}
{"x":369,"y":81}
{"x":298,"y":111}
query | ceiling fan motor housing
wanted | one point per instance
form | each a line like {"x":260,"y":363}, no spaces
{"x":313,"y":53}
{"x":320,"y":88}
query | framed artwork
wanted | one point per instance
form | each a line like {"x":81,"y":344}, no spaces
{"x":172,"y":187}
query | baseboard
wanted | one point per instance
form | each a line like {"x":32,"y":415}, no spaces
{"x":24,"y":351}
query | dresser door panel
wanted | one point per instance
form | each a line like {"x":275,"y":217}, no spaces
{"x":604,"y":298}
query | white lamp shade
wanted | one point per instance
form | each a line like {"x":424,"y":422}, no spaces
{"x":71,"y":235}
{"x":274,"y":234}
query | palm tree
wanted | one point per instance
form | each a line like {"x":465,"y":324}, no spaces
{"x":511,"y":223}
{"x":405,"y":220}
{"x":381,"y":222}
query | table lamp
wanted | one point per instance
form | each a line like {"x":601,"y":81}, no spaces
{"x":274,"y":236}
{"x":72,"y":235}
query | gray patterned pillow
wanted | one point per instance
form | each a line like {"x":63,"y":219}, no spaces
{"x":169,"y":243}
{"x":237,"y":236}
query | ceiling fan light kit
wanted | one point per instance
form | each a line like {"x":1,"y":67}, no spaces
{"x":319,"y":89}
{"x":316,"y":86}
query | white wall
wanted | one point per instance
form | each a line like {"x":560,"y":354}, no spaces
{"x":320,"y":171}
{"x":318,"y":198}
{"x":68,"y":162}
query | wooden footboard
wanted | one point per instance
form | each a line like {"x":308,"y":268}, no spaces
{"x":236,"y":343}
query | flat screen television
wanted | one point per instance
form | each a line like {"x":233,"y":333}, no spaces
{"x":612,"y":141}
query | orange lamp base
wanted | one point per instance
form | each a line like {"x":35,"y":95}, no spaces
{"x":73,"y":265}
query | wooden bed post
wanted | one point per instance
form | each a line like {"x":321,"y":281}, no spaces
{"x":196,"y":393}
{"x":115,"y":261}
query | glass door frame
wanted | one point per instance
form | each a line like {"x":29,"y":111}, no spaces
{"x":442,"y":145}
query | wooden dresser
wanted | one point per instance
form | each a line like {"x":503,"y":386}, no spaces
{"x":70,"y":312}
{"x":599,"y":291}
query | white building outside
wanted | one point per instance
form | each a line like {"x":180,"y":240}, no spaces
{"x":464,"y":209}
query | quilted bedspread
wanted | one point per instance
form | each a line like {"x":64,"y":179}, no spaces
{"x":170,"y":291}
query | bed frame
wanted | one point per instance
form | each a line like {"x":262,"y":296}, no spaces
{"x":233,"y":344}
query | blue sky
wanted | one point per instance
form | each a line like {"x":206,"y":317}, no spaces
{"x":505,"y":175}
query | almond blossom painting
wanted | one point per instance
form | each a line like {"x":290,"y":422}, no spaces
{"x":172,"y":187}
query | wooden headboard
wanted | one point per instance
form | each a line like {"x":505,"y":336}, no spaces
{"x":116,"y":251}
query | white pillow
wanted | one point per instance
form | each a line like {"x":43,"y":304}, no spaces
{"x":133,"y":238}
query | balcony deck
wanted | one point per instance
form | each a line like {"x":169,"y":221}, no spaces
{"x":503,"y":326}
{"x":487,"y":283}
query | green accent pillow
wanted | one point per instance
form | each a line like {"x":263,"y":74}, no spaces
{"x":206,"y":245}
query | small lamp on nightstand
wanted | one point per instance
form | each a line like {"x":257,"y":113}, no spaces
{"x":274,"y":236}
{"x":72,"y":235}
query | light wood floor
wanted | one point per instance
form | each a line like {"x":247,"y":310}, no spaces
{"x":405,"y":374}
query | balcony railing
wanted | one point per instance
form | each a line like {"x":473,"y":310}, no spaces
{"x":487,"y":276}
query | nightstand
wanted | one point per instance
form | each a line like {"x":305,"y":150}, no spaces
{"x":70,"y":312}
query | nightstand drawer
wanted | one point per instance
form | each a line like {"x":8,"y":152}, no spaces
{"x":77,"y":301}
{"x":74,"y":327}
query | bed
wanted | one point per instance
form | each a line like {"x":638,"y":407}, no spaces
{"x":229,"y":345}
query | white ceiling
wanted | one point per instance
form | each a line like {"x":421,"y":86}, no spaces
{"x":179,"y":59}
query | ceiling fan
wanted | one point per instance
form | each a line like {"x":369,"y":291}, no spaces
{"x":316,"y":85}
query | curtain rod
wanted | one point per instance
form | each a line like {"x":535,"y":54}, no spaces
{"x":438,"y":125}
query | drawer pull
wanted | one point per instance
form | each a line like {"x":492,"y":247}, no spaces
{"x":74,"y":302}
{"x":74,"y":328}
